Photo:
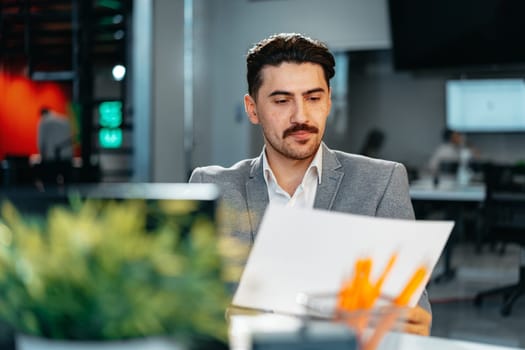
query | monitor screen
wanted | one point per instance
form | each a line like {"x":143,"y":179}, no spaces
{"x":485,"y":105}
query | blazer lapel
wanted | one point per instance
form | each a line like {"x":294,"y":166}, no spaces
{"x":330,"y":180}
{"x":256,"y":195}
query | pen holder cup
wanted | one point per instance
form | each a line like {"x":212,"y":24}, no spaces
{"x":369,"y":325}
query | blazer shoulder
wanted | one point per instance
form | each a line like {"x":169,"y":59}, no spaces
{"x":380,"y":187}
{"x":366,"y":164}
{"x":369,"y":173}
{"x":216,"y":173}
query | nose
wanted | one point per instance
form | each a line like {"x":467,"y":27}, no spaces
{"x":300,"y":113}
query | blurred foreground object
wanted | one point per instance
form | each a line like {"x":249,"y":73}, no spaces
{"x":106,"y":270}
{"x":311,"y":335}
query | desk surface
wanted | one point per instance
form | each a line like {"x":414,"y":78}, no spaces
{"x":241,"y":327}
{"x":424,"y":189}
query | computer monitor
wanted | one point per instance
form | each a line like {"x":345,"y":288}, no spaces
{"x":485,"y":105}
{"x":201,"y":197}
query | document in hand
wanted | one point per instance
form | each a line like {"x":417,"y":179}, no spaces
{"x":311,"y":251}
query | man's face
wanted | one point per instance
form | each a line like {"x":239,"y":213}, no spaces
{"x":457,"y":138}
{"x":292,"y":105}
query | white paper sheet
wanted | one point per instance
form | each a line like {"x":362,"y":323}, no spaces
{"x":312,"y":251}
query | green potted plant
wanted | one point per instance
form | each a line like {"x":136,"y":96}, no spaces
{"x":98,"y":271}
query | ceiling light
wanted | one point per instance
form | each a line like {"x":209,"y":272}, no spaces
{"x":119,"y":71}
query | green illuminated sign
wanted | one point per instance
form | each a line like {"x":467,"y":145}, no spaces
{"x":110,"y":138}
{"x":110,"y":114}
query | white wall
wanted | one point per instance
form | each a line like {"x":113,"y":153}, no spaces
{"x":203,"y":58}
{"x":168,"y":92}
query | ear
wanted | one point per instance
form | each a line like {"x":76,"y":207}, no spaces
{"x":251,"y":109}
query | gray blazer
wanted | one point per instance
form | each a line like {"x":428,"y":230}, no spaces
{"x":349,"y":183}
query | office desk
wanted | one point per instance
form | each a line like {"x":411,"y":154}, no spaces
{"x":446,"y":191}
{"x":242,"y":326}
{"x":454,"y":199}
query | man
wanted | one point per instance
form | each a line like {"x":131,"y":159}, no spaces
{"x":54,"y":136}
{"x":448,"y":151}
{"x":289,"y":96}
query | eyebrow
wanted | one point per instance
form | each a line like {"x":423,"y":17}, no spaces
{"x":288,"y":93}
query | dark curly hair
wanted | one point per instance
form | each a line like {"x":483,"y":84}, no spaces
{"x":286,"y":47}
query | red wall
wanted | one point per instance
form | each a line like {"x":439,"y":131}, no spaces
{"x":20,"y":103}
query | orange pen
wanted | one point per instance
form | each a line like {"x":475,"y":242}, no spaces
{"x":404,"y":297}
{"x":386,"y":271}
{"x":347,"y":296}
{"x":365,"y":289}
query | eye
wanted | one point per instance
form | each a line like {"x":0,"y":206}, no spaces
{"x":314,"y":98}
{"x":280,"y":101}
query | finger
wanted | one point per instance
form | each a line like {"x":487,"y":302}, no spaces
{"x":417,"y":321}
{"x":414,"y":328}
{"x":418,"y":315}
{"x":418,"y":329}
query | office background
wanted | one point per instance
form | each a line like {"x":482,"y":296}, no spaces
{"x":409,"y":107}
{"x":186,"y":78}
{"x":184,"y":99}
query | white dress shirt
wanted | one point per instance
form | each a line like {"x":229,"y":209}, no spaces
{"x":446,"y":152}
{"x":304,"y":195}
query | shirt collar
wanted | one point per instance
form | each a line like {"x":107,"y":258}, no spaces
{"x":315,"y":166}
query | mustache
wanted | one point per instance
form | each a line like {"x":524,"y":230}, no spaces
{"x":300,"y":127}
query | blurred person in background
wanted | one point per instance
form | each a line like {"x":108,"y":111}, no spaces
{"x":447,"y":151}
{"x":54,"y":137}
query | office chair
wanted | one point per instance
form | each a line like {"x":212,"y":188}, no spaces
{"x":54,"y":172}
{"x":504,"y":214}
{"x":16,"y":171}
{"x":448,"y":167}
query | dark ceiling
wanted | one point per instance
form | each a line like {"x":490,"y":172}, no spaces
{"x":63,"y":35}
